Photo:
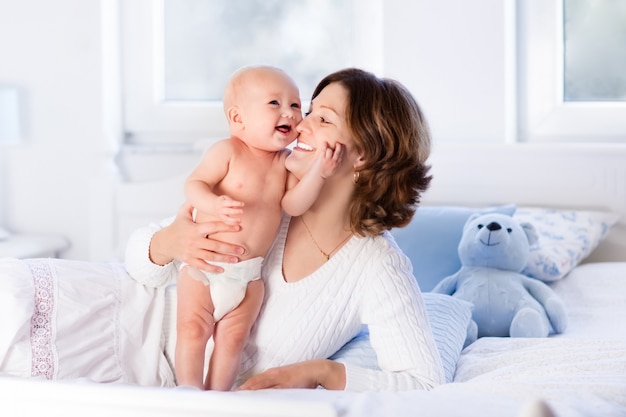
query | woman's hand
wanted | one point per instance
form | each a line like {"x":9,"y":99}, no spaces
{"x":307,"y":374}
{"x":189,"y":242}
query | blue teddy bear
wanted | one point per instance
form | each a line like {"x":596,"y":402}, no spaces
{"x":494,"y":249}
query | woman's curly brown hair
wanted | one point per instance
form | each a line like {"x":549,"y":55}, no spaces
{"x":390,"y":130}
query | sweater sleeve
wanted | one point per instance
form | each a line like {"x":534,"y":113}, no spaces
{"x":400,"y":333}
{"x":137,"y":259}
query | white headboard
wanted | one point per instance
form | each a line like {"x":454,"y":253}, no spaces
{"x":137,"y":204}
{"x":579,"y":176}
{"x":547,"y":175}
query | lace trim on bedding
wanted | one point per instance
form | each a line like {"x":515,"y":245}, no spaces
{"x":41,"y":330}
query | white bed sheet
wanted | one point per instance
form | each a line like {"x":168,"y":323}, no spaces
{"x":579,"y":373}
{"x":595,"y":296}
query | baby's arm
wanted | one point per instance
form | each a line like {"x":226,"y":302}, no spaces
{"x":301,"y":195}
{"x":203,"y":179}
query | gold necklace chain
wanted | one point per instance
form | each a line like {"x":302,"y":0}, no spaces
{"x":326,"y":255}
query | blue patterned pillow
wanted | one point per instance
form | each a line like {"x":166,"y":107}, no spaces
{"x":448,"y":317}
{"x":566,"y":237}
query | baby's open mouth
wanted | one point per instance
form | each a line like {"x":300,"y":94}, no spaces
{"x":284,"y":128}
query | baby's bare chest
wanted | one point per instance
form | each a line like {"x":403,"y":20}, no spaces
{"x":255,"y":183}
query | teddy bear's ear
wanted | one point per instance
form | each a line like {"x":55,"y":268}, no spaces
{"x":531,"y":232}
{"x":470,"y":219}
{"x":474,"y":216}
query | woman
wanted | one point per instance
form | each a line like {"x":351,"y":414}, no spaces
{"x":334,"y":268}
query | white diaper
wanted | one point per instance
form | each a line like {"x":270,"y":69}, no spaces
{"x":229,"y":287}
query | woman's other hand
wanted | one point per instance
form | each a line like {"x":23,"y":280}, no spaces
{"x":190,"y":242}
{"x":307,"y":374}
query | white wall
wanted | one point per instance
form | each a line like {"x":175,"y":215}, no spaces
{"x":457,"y":57}
{"x":52,"y":51}
{"x":451,"y":53}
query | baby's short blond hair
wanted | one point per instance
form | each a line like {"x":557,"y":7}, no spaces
{"x":239,"y":79}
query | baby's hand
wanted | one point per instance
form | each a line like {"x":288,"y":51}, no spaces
{"x":228,"y":210}
{"x":328,"y":160}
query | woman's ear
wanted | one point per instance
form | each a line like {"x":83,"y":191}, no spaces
{"x":359,"y":162}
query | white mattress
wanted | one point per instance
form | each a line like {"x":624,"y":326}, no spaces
{"x":595,"y":296}
{"x":581,"y":372}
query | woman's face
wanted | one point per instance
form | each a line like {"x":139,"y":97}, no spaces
{"x":325,"y":123}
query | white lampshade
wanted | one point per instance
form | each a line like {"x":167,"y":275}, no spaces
{"x":9,"y":116}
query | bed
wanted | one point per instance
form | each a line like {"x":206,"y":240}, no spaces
{"x":575,"y":196}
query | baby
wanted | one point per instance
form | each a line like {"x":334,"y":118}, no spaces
{"x":242,"y":180}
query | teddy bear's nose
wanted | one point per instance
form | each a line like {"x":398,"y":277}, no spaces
{"x":494,"y":226}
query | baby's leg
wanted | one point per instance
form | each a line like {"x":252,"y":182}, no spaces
{"x":194,"y":327}
{"x":231,"y":335}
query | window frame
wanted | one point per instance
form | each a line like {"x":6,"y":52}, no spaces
{"x":543,"y":115}
{"x":147,"y":117}
{"x":150,"y":120}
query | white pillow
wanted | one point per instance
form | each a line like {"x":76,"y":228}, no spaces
{"x":448,"y":317}
{"x":566,"y":237}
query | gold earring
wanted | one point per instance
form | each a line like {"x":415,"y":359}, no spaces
{"x":356,"y":176}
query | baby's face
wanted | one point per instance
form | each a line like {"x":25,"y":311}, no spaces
{"x":270,"y":110}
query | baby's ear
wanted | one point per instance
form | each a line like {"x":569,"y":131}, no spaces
{"x":233,"y":115}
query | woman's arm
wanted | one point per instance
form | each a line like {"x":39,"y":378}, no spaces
{"x":400,"y":333}
{"x":151,"y":250}
{"x":308,"y":374}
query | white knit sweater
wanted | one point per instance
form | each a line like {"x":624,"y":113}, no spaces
{"x":368,"y":281}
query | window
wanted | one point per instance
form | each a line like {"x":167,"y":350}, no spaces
{"x":178,"y":54}
{"x":594,"y":35}
{"x":572,"y":56}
